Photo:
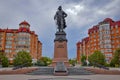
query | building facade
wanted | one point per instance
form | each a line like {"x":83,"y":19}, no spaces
{"x":105,"y":37}
{"x":15,"y":40}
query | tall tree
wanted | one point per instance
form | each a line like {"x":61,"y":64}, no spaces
{"x":4,"y":60}
{"x":83,"y":60}
{"x":116,"y":58}
{"x":97,"y":57}
{"x":73,"y":61}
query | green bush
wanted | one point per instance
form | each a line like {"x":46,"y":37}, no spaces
{"x":40,"y":63}
{"x":115,"y":62}
{"x":4,"y":60}
{"x":44,"y":61}
{"x":112,"y":63}
{"x":72,"y":61}
{"x":107,"y":65}
{"x":83,"y":60}
{"x":97,"y":57}
{"x":22,"y":58}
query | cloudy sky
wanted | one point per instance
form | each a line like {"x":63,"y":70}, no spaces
{"x":82,"y":15}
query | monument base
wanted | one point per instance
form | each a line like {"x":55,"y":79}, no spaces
{"x":60,"y":53}
{"x":55,"y":60}
{"x":60,"y":49}
{"x":60,"y":74}
{"x":60,"y":69}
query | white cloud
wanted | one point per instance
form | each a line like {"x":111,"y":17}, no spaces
{"x":75,"y":9}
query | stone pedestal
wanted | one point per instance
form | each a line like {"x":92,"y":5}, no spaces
{"x":60,"y":69}
{"x":60,"y":49}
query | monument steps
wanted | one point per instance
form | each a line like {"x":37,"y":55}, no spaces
{"x":78,"y":71}
{"x":43,"y":71}
{"x":50,"y":71}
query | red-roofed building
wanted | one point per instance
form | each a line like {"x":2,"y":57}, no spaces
{"x":15,"y":40}
{"x":104,"y":37}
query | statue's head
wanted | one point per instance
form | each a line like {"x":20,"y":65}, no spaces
{"x":60,"y":8}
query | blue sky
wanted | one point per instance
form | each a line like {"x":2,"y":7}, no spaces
{"x":82,"y":15}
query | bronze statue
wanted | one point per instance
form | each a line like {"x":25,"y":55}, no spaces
{"x":60,"y":19}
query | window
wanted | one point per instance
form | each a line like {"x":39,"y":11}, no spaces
{"x":112,"y":32}
{"x":107,"y":46}
{"x":8,"y":42}
{"x":117,"y":41}
{"x":107,"y":59}
{"x":108,"y":55}
{"x":28,"y":50}
{"x":9,"y":38}
{"x":118,"y":46}
{"x":9,"y":34}
{"x":117,"y":31}
{"x":24,"y":34}
{"x":94,"y":44}
{"x":116,"y":26}
{"x":102,"y":51}
{"x":23,"y":38}
{"x":111,"y":27}
{"x":107,"y":41}
{"x":22,"y":46}
{"x":8,"y":46}
{"x":0,"y":42}
{"x":108,"y":50}
{"x":7,"y":51}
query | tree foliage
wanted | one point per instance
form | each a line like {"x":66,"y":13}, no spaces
{"x":44,"y":61}
{"x":83,"y":60}
{"x":22,"y":58}
{"x":97,"y":57}
{"x":4,"y":60}
{"x":72,"y":61}
{"x":115,"y":62}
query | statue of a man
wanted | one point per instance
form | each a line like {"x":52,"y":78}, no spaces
{"x":60,"y":19}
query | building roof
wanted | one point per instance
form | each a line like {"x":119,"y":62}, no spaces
{"x":24,"y":23}
{"x":108,"y":20}
{"x":117,"y":23}
{"x":86,"y":39}
{"x":23,"y":30}
{"x":94,"y":28}
{"x":78,"y":43}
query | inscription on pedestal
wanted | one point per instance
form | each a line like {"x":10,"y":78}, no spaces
{"x":60,"y":46}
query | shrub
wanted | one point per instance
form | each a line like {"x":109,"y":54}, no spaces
{"x":97,"y":57}
{"x":44,"y":61}
{"x":72,"y":61}
{"x":22,"y":58}
{"x":83,"y":60}
{"x":4,"y":60}
{"x":115,"y":62}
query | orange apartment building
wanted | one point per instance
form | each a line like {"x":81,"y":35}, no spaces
{"x":105,"y":37}
{"x":15,"y":40}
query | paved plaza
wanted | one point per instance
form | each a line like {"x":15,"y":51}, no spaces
{"x":50,"y":77}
